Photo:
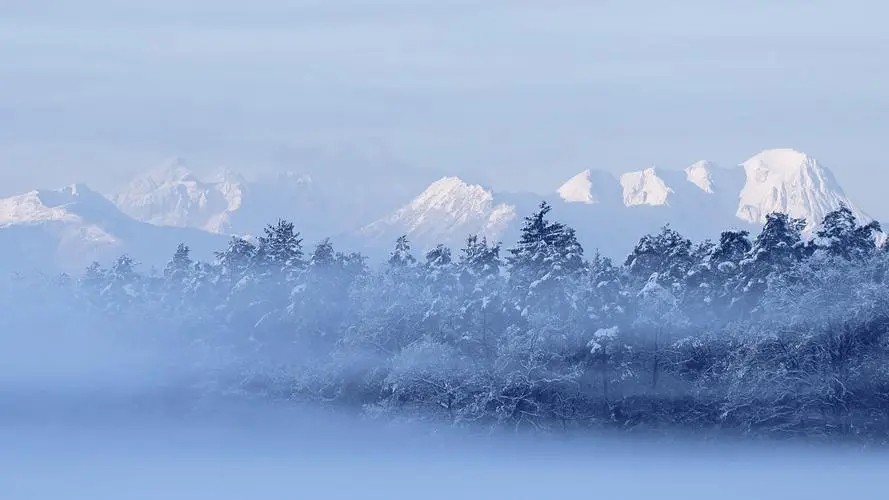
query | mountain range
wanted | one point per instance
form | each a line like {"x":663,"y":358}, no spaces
{"x":147,"y":218}
{"x":611,"y":212}
{"x":68,"y":228}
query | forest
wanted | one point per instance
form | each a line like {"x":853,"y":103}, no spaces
{"x":782,"y":334}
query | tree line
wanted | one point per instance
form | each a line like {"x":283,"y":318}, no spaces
{"x":781,"y":334}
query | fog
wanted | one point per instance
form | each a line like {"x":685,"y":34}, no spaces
{"x":725,"y":370}
{"x":87,"y":444}
{"x":87,"y":413}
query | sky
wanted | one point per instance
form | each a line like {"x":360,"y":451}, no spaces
{"x":519,"y":95}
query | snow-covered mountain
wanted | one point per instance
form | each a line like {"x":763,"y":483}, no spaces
{"x":645,"y":187}
{"x":367,"y":211}
{"x":775,"y":180}
{"x":785,"y":180}
{"x":319,"y":196}
{"x":591,"y":187}
{"x":171,"y":195}
{"x":448,"y":211}
{"x":70,"y":227}
{"x":610,"y":213}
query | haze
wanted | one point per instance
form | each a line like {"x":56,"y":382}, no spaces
{"x":519,"y":95}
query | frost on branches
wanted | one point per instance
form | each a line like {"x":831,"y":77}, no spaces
{"x":774,"y":334}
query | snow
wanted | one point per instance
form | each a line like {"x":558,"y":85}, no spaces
{"x":590,"y":187}
{"x":67,"y":228}
{"x":28,"y":208}
{"x":700,"y":201}
{"x":369,"y":213}
{"x":699,"y":174}
{"x":312,"y":191}
{"x":74,"y":204}
{"x":601,"y":337}
{"x":447,"y":211}
{"x":775,"y":180}
{"x":789,"y":181}
{"x":579,"y":189}
{"x":453,"y":195}
{"x":645,"y":187}
{"x":171,"y":195}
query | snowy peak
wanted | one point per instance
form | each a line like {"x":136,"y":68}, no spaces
{"x":789,"y":181}
{"x":453,"y":195}
{"x":579,"y":189}
{"x":68,"y":228}
{"x":589,"y":187}
{"x":171,"y":195}
{"x":29,"y":208}
{"x":70,"y":203}
{"x":446,"y":211}
{"x":775,"y":180}
{"x":645,"y":187}
{"x":701,"y":175}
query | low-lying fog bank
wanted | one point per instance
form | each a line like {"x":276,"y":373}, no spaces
{"x":100,"y":446}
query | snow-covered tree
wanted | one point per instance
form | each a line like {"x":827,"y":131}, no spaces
{"x":777,"y":336}
{"x":401,"y":257}
{"x":280,"y":249}
{"x":840,"y":235}
{"x":777,"y":249}
{"x":236,"y":260}
{"x":667,"y":253}
{"x":479,"y":311}
{"x":122,"y":285}
{"x":544,"y":264}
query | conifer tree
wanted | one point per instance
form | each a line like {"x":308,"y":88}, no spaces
{"x":401,"y":256}
{"x":280,"y":248}
{"x":544,"y":261}
{"x":777,"y":248}
{"x":667,"y":253}
{"x":840,"y":235}
{"x":178,"y":271}
{"x":235,"y":261}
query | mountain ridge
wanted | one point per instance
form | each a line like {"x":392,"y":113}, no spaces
{"x":66,"y":229}
{"x":607,"y":211}
{"x":700,"y":200}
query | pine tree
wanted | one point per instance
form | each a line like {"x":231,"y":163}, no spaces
{"x":236,"y":260}
{"x":121,"y":289}
{"x":438,"y":257}
{"x":841,"y":236}
{"x":668,"y":254}
{"x":606,"y":302}
{"x":438,"y":271}
{"x":777,"y":249}
{"x":280,"y":248}
{"x":479,"y":313}
{"x":324,"y":256}
{"x":733,"y":246}
{"x":178,"y":271}
{"x":545,"y":259}
{"x":439,"y":287}
{"x":401,"y":256}
{"x":713,"y":282}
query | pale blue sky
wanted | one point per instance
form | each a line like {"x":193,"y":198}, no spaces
{"x":517,"y":94}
